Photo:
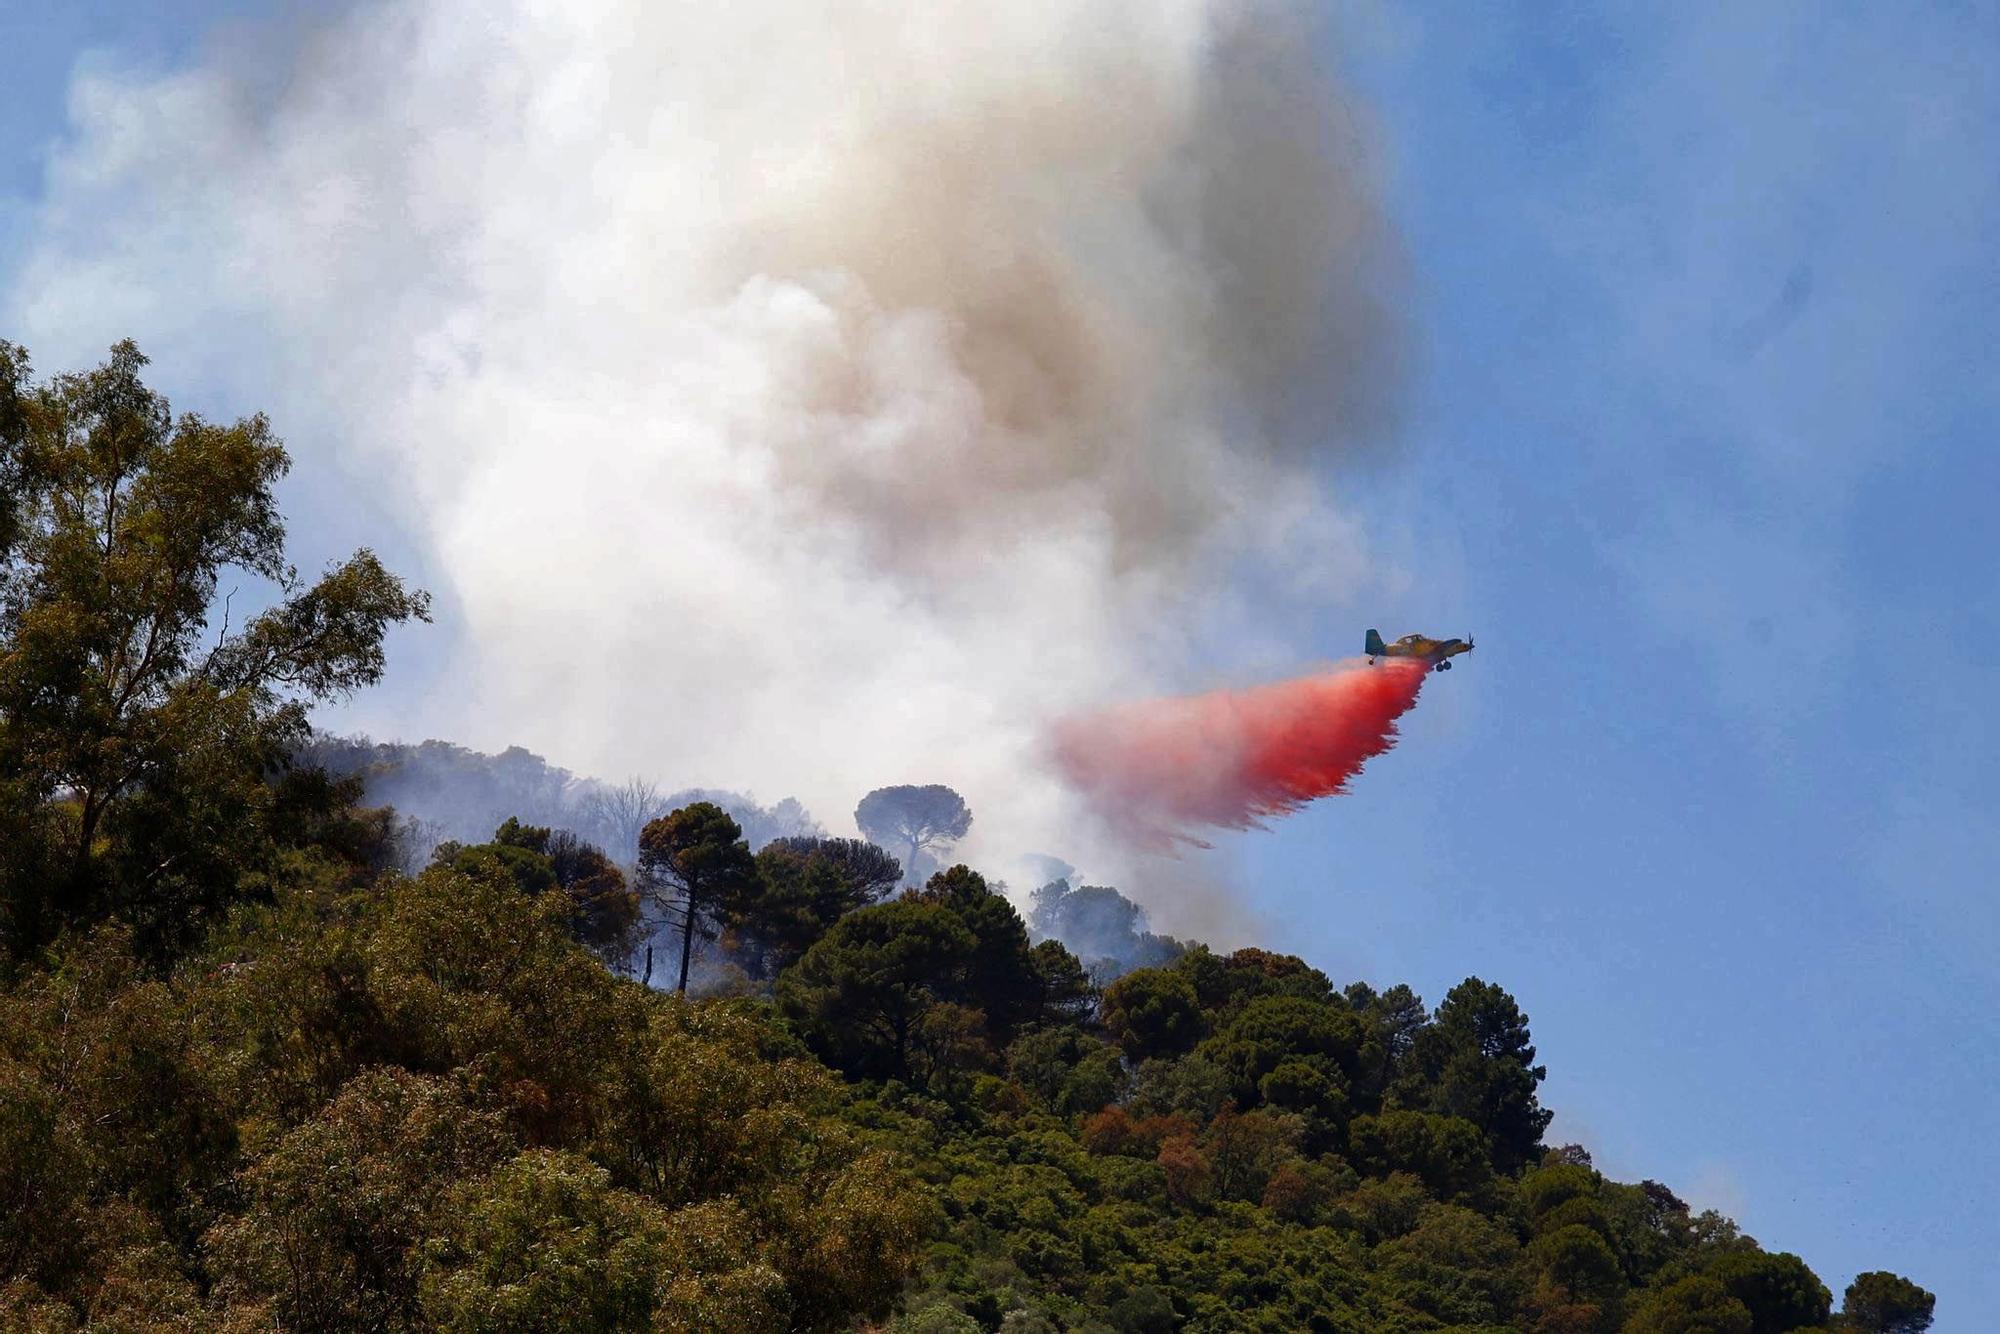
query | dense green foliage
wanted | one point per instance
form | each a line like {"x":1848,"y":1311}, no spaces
{"x":1280,"y":1154}
{"x":1885,"y":1303}
{"x":388,"y":1102}
{"x":255,"y":1074}
{"x":423,"y":1104}
{"x":803,"y":886}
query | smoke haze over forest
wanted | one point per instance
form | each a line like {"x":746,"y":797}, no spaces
{"x":833,"y":388}
{"x":445,"y":792}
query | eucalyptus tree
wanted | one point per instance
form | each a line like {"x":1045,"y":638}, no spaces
{"x":146,"y":723}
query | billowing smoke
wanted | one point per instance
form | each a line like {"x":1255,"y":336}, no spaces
{"x":786,"y":397}
{"x":1227,"y":759}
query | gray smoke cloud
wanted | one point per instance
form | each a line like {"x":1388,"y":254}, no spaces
{"x":793,"y":397}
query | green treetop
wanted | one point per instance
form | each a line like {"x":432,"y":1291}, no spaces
{"x":139,"y":723}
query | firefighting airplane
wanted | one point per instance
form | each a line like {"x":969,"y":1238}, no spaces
{"x":1436,"y":653}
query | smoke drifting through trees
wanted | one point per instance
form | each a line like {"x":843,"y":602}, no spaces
{"x":445,"y":792}
{"x":450,"y":792}
{"x":1107,"y":931}
{"x":988,"y":332}
{"x":920,"y":824}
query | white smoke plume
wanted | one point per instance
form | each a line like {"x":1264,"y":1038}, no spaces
{"x":796,"y":397}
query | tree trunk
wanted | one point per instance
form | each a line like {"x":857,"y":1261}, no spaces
{"x":687,"y":942}
{"x":87,"y":821}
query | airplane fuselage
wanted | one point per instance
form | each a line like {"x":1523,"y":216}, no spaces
{"x":1436,"y":653}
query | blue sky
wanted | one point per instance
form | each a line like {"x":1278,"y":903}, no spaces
{"x":46,"y":39}
{"x":1702,"y":449}
{"x":1698,"y":442}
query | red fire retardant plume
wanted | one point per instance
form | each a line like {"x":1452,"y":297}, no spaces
{"x":1232,"y":757}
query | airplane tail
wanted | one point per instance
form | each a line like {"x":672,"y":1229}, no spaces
{"x":1375,"y":647}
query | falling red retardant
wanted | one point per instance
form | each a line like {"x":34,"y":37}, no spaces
{"x":1230,"y":758}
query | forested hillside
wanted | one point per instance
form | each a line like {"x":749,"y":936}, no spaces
{"x":263,"y":1064}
